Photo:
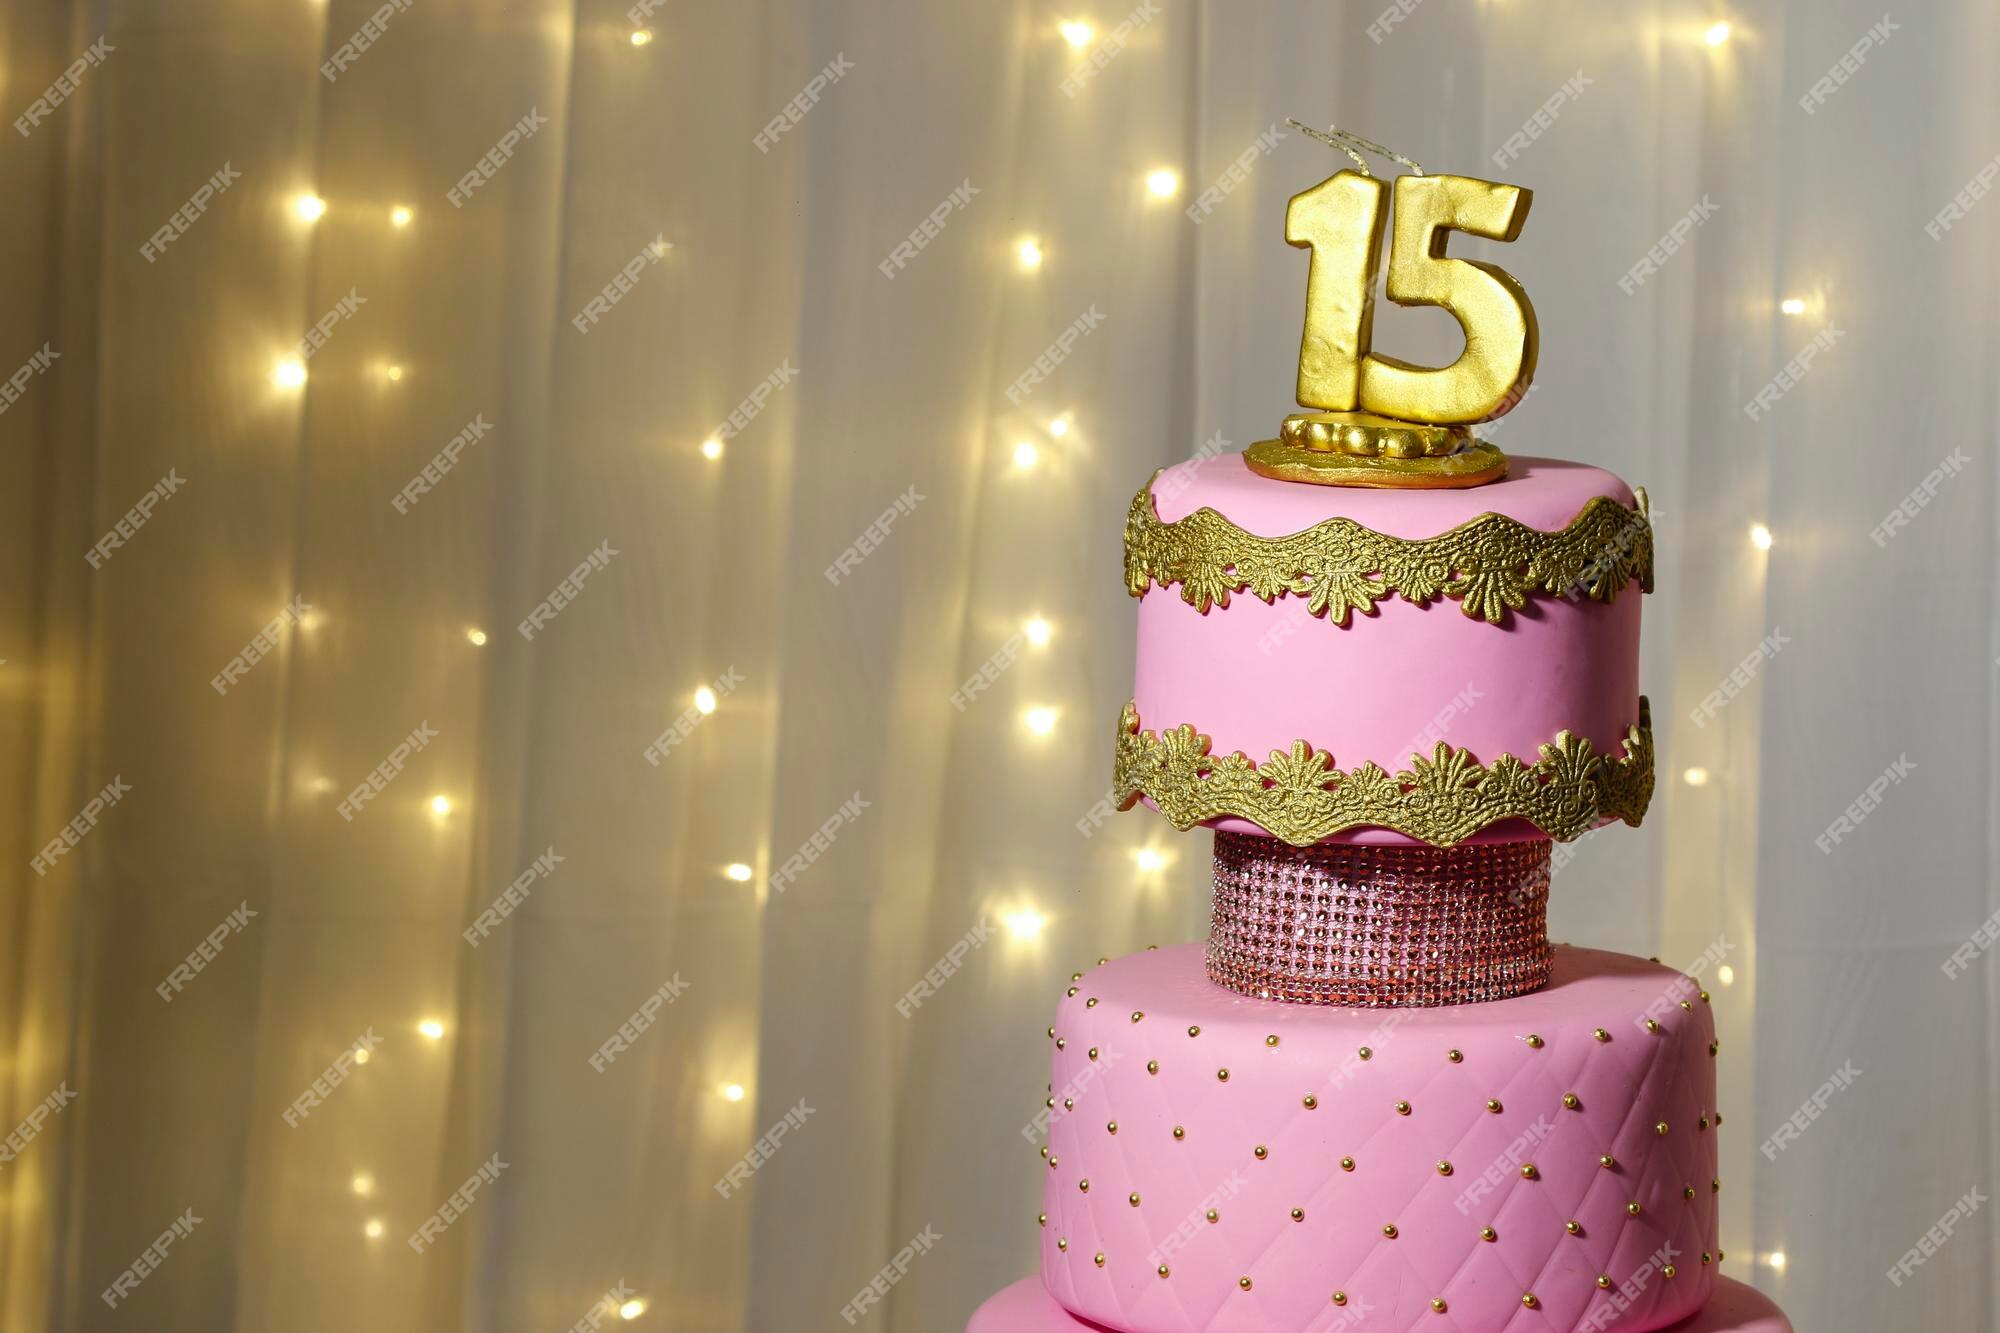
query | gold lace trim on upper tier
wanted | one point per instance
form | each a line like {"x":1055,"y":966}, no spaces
{"x":1301,"y":798}
{"x":1489,"y":564}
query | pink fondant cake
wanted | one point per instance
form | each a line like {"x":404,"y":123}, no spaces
{"x":1218,"y":1162}
{"x":1256,"y":676}
{"x":1312,"y":1127}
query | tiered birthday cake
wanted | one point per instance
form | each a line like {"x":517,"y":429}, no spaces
{"x":1388,"y":666}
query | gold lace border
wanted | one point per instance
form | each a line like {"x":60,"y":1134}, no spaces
{"x":1301,"y":798}
{"x":1489,"y":564}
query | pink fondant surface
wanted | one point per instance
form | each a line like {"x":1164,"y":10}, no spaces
{"x":1625,"y":1087}
{"x":1257,"y":676}
{"x":1027,"y":1307}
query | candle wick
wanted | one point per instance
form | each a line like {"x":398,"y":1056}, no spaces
{"x":1335,"y":137}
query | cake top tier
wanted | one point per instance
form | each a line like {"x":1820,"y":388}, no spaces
{"x":1314,"y":625}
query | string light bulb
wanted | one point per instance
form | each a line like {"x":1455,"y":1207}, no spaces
{"x":1077,"y":33}
{"x":392,"y":372}
{"x":309,"y":207}
{"x":1717,"y":34}
{"x":400,"y":215}
{"x":632,"y":1309}
{"x":1025,"y":456}
{"x":1760,"y":536}
{"x":1024,"y":923}
{"x":476,"y":637}
{"x":1041,"y":719}
{"x":1793,"y":305}
{"x":431,"y":1028}
{"x":362,"y":1055}
{"x":1059,"y":427}
{"x":643,"y":37}
{"x":374,"y":1228}
{"x":1150,"y":859}
{"x":1038,"y":631}
{"x":363,"y":1184}
{"x":732,"y":1092}
{"x":1776,"y":1259}
{"x":704,"y":700}
{"x":711,"y":448}
{"x":1726,"y":975}
{"x":440,"y":804}
{"x":289,"y":373}
{"x":1029,"y":253}
{"x":1695,"y":777}
{"x":1163,"y":182}
{"x":739,"y":872}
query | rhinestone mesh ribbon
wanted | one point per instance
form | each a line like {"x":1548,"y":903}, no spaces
{"x":1379,"y":926}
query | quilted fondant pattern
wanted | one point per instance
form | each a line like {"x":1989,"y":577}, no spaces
{"x":1263,"y":1150}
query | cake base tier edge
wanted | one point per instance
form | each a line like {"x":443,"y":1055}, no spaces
{"x":1027,"y":1307}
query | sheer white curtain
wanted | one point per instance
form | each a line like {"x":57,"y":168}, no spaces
{"x":883,"y":442}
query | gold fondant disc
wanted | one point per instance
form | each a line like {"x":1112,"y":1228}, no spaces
{"x":1474,"y":465}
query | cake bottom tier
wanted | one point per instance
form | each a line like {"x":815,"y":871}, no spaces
{"x":1027,"y":1307}
{"x":1223,"y":1164}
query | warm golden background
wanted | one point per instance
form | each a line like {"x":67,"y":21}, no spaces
{"x":178,"y":365}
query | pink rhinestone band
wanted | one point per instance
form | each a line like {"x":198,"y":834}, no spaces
{"x":1379,"y":926}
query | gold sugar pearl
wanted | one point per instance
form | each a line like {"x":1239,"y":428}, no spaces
{"x":1366,"y":1054}
{"x":1652,"y":1025}
{"x":1718,"y":1256}
{"x":1222,"y":1075}
{"x":1488,"y":1233}
{"x":1060,"y":1043}
{"x":1298,"y":1214}
{"x":1600,"y":1034}
{"x":1054,"y":1162}
{"x":1262,"y":1152}
{"x":1528,"y":1171}
{"x":1608,"y":1162}
{"x":1454,"y":1056}
{"x":1102,"y":961}
{"x":1162,"y":1270}
{"x":1535,"y":1043}
{"x":1179,"y":1133}
{"x":1152,"y":1066}
{"x":1437,"y":1304}
{"x":1714,"y":1046}
{"x":1347,"y":1163}
{"x":1402,"y":1108}
{"x":1041,"y":1219}
{"x":1604,"y":1281}
{"x":1062,"y":1244}
{"x":1444,"y":1168}
{"x":1704,"y":996}
{"x":1076,"y":976}
{"x":1688,"y":1193}
{"x":1093,"y":1052}
{"x":1661,"y":1129}
{"x":1083,"y":1185}
{"x":1340,"y":1298}
{"x":1312,"y":1102}
{"x":1072,"y":992}
{"x":1704,"y":1258}
{"x":1133,"y":1198}
{"x":1390,"y":1231}
{"x":1570,"y":1100}
{"x":1052,"y":1029}
{"x":1049,"y":1102}
{"x":1111,"y":1126}
{"x":1243,"y":1282}
{"x":1715,"y":1187}
{"x":1701,"y":1124}
{"x":1687,"y":1005}
{"x":1194,"y":1029}
{"x":1528,"y":1299}
{"x":1090,"y":1003}
{"x":1718,"y":1120}
{"x":1668,"y":1271}
{"x":1271,"y":1040}
{"x":1138,"y":1014}
{"x":1493,"y":1105}
{"x":1633,"y":1208}
{"x":1574,"y":1227}
{"x":1069,"y":1103}
{"x":1098,"y":1259}
{"x":1213,"y":1216}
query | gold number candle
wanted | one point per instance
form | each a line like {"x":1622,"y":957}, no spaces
{"x":1340,"y":221}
